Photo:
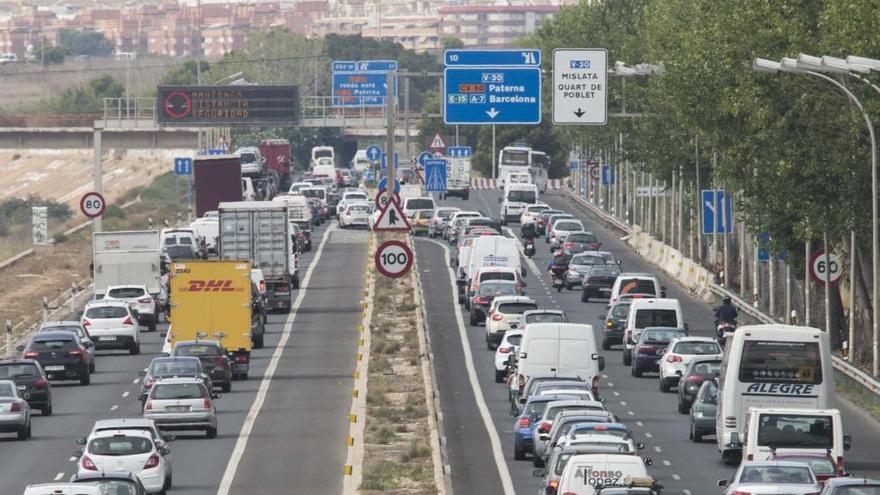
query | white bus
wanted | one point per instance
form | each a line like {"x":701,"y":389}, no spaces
{"x":779,"y":366}
{"x":523,"y":159}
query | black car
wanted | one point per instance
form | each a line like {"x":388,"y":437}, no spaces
{"x":61,"y":354}
{"x":167,"y":367}
{"x":579,"y":242}
{"x":599,"y":281}
{"x":123,"y":483}
{"x":650,"y":348}
{"x":698,"y":371}
{"x":486,"y":293}
{"x":31,"y":381}
{"x":615,"y":324}
{"x":214,"y":359}
{"x":333,"y":200}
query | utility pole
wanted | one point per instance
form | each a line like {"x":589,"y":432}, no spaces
{"x":494,"y":153}
{"x":97,"y":172}
{"x":390,"y":171}
{"x":699,"y":198}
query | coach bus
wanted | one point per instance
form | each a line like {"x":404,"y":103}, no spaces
{"x":520,"y":158}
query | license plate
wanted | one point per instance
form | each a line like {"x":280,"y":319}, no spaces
{"x":239,"y":367}
{"x":22,"y":387}
{"x":177,"y":408}
{"x":54,"y":368}
{"x":108,"y":338}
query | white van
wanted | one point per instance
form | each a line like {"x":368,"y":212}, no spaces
{"x":207,"y":229}
{"x":585,"y":472}
{"x":492,"y":250}
{"x":317,"y":192}
{"x":325,"y":169}
{"x":795,"y":431}
{"x":560,"y":349}
{"x":298,"y":210}
{"x":413,"y":204}
{"x":323,"y":155}
{"x":360,"y":163}
{"x":636,"y":283}
{"x":177,"y":237}
{"x":517,"y":196}
{"x":644,"y":313}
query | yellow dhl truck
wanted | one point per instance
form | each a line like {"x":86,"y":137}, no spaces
{"x":211,"y":300}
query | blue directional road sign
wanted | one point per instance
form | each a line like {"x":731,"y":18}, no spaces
{"x":493,"y":95}
{"x":425,"y":155}
{"x":212,"y":152}
{"x":459,"y":151}
{"x":764,"y":248}
{"x":356,"y":89}
{"x":376,"y":65}
{"x":396,"y":160}
{"x":573,"y":164}
{"x":383,"y":184}
{"x":526,"y":57}
{"x":374,"y":153}
{"x":344,"y":66}
{"x":607,"y":175}
{"x":435,"y":175}
{"x":715,"y":202}
{"x":183,"y":165}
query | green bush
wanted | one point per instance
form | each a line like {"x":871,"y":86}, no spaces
{"x":17,"y":210}
{"x":114,"y":211}
{"x":59,"y":237}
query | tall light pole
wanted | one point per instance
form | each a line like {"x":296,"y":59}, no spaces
{"x":808,"y":65}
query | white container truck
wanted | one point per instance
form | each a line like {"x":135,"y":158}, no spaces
{"x":126,"y":257}
{"x":458,"y":178}
{"x":258,"y":231}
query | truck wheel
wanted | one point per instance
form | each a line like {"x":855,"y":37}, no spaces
{"x":295,"y":282}
{"x":152,"y":325}
{"x":258,"y":342}
{"x":211,"y":432}
{"x":85,"y":379}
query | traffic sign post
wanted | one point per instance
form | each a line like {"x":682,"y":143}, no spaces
{"x":435,"y":175}
{"x":594,"y":173}
{"x":607,"y":175}
{"x":383,"y":184}
{"x":717,"y":212}
{"x":819,"y":272}
{"x":580,"y":91}
{"x":92,"y":204}
{"x":764,"y":249}
{"x":492,"y":95}
{"x":382,"y":199}
{"x":393,"y":259}
{"x":183,"y":165}
{"x":422,"y":157}
{"x":438,"y":145}
{"x":396,"y":161}
{"x":391,"y":218}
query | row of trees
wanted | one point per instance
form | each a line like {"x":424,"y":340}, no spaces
{"x":791,"y":146}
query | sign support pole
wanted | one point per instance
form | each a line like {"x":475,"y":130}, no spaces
{"x":97,"y":173}
{"x":852,"y":298}
{"x":807,"y":283}
{"x":787,"y":293}
{"x":406,"y":152}
{"x":771,"y":266}
{"x":827,"y":282}
{"x":756,"y":276}
{"x":390,"y":119}
{"x":699,"y":198}
{"x":494,"y":174}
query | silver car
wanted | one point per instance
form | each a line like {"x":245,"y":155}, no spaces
{"x":771,"y":477}
{"x":15,"y":413}
{"x":182,"y":404}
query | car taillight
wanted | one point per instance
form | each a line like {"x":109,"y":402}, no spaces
{"x":694,"y":379}
{"x":148,"y":406}
{"x":503,"y":350}
{"x":128,"y":321}
{"x":522,"y":382}
{"x":152,"y":462}
{"x":219,"y":361}
{"x":567,"y":245}
{"x":207,"y":404}
{"x":240,"y":358}
{"x":87,"y":463}
{"x":674,"y":358}
{"x":148,"y":383}
{"x":647,"y":349}
{"x":145,"y":300}
{"x":740,"y":492}
{"x":552,"y":487}
{"x":77,"y":353}
{"x":41,"y":383}
{"x":86,"y":323}
{"x":497,"y":317}
{"x":523,"y":422}
{"x":15,"y":407}
{"x":544,"y":427}
{"x":31,"y":355}
{"x":480,"y":300}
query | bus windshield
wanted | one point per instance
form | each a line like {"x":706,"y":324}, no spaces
{"x":795,"y":430}
{"x":780,"y":362}
{"x":540,"y":160}
{"x":514,"y":157}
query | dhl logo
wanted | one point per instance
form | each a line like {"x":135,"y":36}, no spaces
{"x":211,"y":286}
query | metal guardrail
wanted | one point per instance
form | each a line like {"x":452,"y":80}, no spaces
{"x":134,"y":108}
{"x":843,"y":366}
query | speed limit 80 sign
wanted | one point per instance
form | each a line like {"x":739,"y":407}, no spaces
{"x":92,"y":204}
{"x":393,"y":259}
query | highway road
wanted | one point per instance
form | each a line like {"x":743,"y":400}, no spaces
{"x":299,"y":435}
{"x":682,"y":466}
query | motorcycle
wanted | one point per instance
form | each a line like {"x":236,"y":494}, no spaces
{"x":725,"y":330}
{"x":558,"y":282}
{"x":529,"y":248}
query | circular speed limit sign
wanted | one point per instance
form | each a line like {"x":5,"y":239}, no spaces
{"x":382,"y":199}
{"x":393,"y":259}
{"x":594,"y":172}
{"x":92,"y":204}
{"x":820,"y":272}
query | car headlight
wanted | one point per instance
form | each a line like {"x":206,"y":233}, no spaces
{"x":698,"y":414}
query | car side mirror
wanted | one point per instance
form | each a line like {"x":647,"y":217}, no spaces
{"x":847,"y":442}
{"x":648,"y":461}
{"x":215,"y":395}
{"x":163,"y":451}
{"x":142,"y":373}
{"x":601,"y":317}
{"x":618,"y":262}
{"x":539,"y":473}
{"x":81,"y":441}
{"x":163,"y":335}
{"x":721,"y":483}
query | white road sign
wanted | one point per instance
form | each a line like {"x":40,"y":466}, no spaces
{"x":580,"y":91}
{"x":393,"y":259}
{"x":40,"y":223}
{"x":820,"y":272}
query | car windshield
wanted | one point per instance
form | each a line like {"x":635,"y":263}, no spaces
{"x":6,"y":390}
{"x":521,"y":196}
{"x":514,"y":339}
{"x":638,"y":286}
{"x":13,"y":370}
{"x":707,"y":368}
{"x":819,"y":465}
{"x":599,"y":430}
{"x":425,"y":214}
{"x":696,"y":348}
{"x":177,"y":391}
{"x":125,"y":292}
{"x":444,"y":214}
{"x":313,"y":193}
{"x":545,"y":318}
{"x":657,"y":336}
{"x":620,"y":310}
{"x":360,"y":208}
{"x":796,"y":430}
{"x":605,"y":271}
{"x":63,"y":328}
{"x":497,"y":290}
{"x":568,"y":226}
{"x":174,"y":368}
{"x":656,"y":318}
{"x":196,"y":350}
{"x":709,"y":393}
{"x":248,"y":157}
{"x":119,"y":445}
{"x":99,"y":312}
{"x":116,"y":487}
{"x":420,"y":204}
{"x":857,"y":490}
{"x":775,"y":475}
{"x":51,"y":344}
{"x":554,"y":411}
{"x":516,"y":308}
{"x":780,"y":362}
{"x":587,"y":259}
{"x":535,"y":408}
{"x":509,"y":276}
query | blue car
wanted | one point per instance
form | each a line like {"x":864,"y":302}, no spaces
{"x":524,"y":428}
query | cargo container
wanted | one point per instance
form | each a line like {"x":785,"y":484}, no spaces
{"x":217,"y":179}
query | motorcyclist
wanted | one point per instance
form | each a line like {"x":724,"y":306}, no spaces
{"x":528,"y":232}
{"x":558,"y":266}
{"x":726,"y":312}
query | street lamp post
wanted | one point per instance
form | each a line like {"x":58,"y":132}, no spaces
{"x":813,"y":66}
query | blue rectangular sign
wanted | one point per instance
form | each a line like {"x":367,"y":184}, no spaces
{"x":435,"y":175}
{"x":529,"y":57}
{"x":607,"y":175}
{"x":377,"y":65}
{"x":344,"y":66}
{"x":714,"y":203}
{"x":764,"y":248}
{"x":355,"y":89}
{"x":396,"y":161}
{"x":183,"y":165}
{"x":492,"y":96}
{"x":459,"y":151}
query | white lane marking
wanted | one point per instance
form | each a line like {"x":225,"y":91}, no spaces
{"x":136,"y":380}
{"x":604,"y":376}
{"x":114,"y":407}
{"x":631,"y":413}
{"x":676,"y":477}
{"x":639,"y":423}
{"x":125,"y":394}
{"x":494,"y":440}
{"x":648,"y":435}
{"x":263,"y":391}
{"x":623,"y":403}
{"x":529,"y":262}
{"x":686,"y":492}
{"x":666,"y":463}
{"x":59,"y":476}
{"x":610,"y":384}
{"x":616,"y":393}
{"x":657,"y":449}
{"x":72,"y":459}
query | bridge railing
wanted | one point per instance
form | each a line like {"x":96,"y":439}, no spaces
{"x":135,"y":108}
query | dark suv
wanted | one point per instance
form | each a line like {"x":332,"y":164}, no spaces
{"x":650,"y":348}
{"x":61,"y":354}
{"x":31,"y":381}
{"x":214,"y":359}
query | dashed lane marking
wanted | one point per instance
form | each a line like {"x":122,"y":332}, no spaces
{"x":623,"y":403}
{"x":676,"y":477}
{"x":648,"y":435}
{"x":59,"y":476}
{"x":616,"y":393}
{"x":639,"y":423}
{"x":657,"y":449}
{"x":136,"y":380}
{"x":631,"y":413}
{"x":666,"y":463}
{"x":72,"y":459}
{"x":125,"y":394}
{"x":114,"y":407}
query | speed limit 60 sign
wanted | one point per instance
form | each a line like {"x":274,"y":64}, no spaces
{"x":820,"y":272}
{"x":393,"y":259}
{"x":92,"y":204}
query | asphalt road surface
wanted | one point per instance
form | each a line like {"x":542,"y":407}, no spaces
{"x":680,"y":465}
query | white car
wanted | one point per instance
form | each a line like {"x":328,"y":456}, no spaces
{"x":503,"y":315}
{"x":509,"y":346}
{"x":349,"y":197}
{"x":562,"y":228}
{"x":679,"y":354}
{"x":112,"y":325}
{"x":139,"y":299}
{"x":132,"y":451}
{"x":759,"y":477}
{"x":532,"y":212}
{"x":355,"y":215}
{"x":15,"y":413}
{"x":63,"y":489}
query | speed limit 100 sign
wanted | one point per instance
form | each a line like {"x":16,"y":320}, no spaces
{"x":819,"y":271}
{"x":92,"y":204}
{"x":393,"y":259}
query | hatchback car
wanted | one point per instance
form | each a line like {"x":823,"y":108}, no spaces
{"x":31,"y":382}
{"x":167,"y":367}
{"x":651,"y":347}
{"x":61,"y":354}
{"x":527,"y":420}
{"x":112,"y":325}
{"x":108,"y":483}
{"x":560,"y":229}
{"x":578,"y":242}
{"x":504,"y":314}
{"x":140,"y":300}
{"x":79,"y":330}
{"x":440,"y":219}
{"x":614,"y":324}
{"x":127,"y":451}
{"x":700,"y":370}
{"x":823,"y":465}
{"x":791,"y":478}
{"x":182,"y":404}
{"x":486,"y":293}
{"x":851,"y":486}
{"x":15,"y":413}
{"x":542,"y":220}
{"x":508,"y":347}
{"x":355,"y":215}
{"x":215,"y":361}
{"x":703,"y":410}
{"x":679,"y":354}
{"x":579,"y":264}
